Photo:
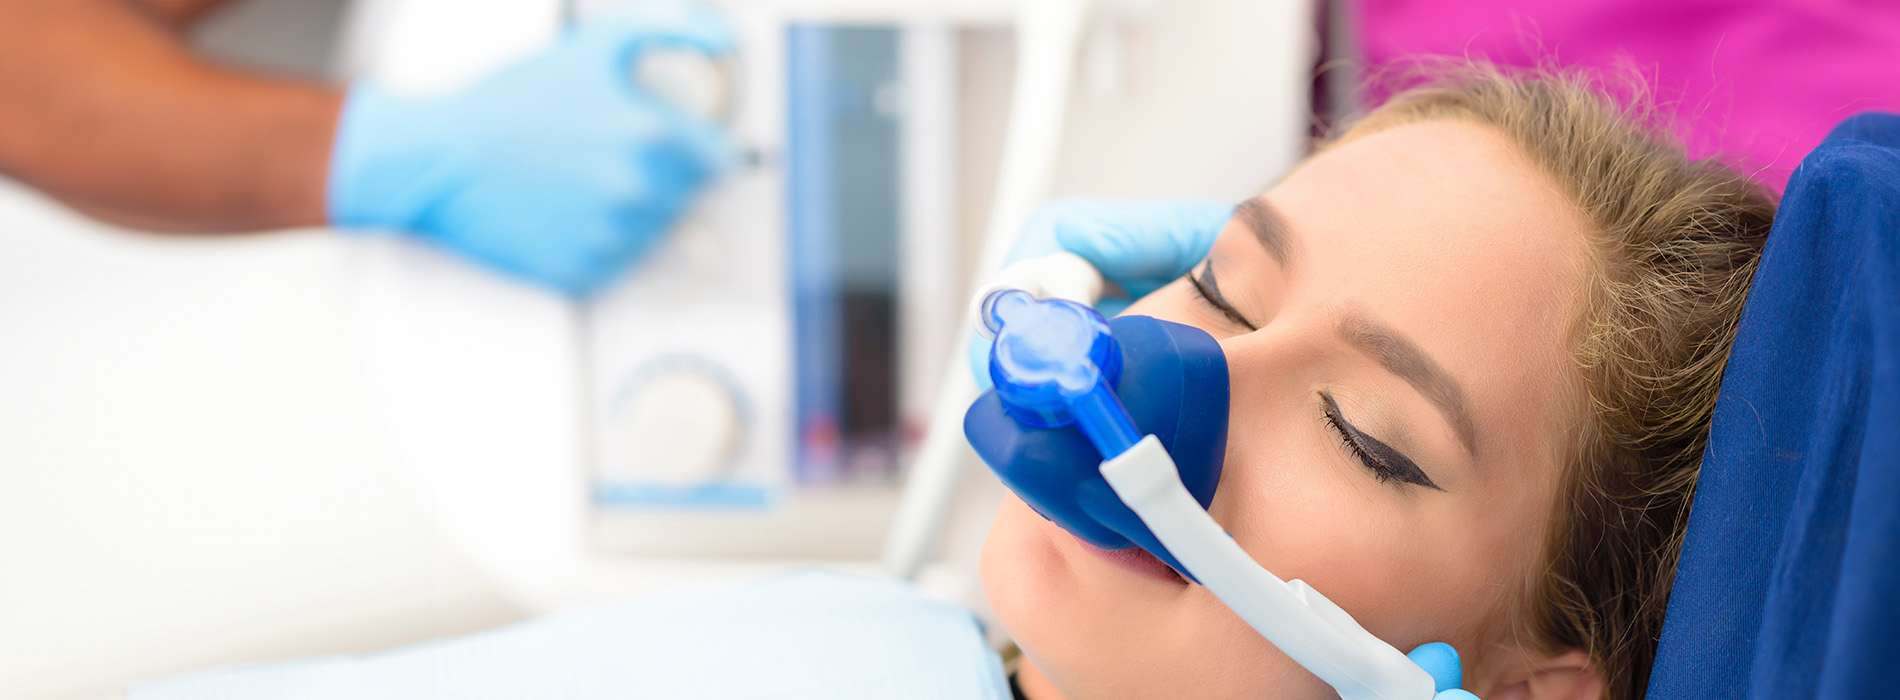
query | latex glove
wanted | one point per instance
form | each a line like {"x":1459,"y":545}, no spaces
{"x":1440,"y":660}
{"x":555,"y":169}
{"x":1139,"y":245}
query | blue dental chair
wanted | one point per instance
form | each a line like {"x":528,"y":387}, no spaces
{"x":1789,"y":583}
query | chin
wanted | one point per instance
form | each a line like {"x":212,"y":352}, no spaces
{"x":1068,"y":618}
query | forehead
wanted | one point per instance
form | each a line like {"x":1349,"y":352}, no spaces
{"x":1450,"y":232}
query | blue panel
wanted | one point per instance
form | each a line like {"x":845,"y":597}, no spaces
{"x":811,"y":227}
{"x":843,"y":190}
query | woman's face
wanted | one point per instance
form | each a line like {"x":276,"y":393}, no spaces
{"x":1396,"y":315}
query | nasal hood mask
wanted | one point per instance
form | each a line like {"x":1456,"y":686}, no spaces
{"x":1086,"y":388}
{"x":1115,"y":430}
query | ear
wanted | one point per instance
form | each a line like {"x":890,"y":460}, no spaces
{"x":1566,"y":676}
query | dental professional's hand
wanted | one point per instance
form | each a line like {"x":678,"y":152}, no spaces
{"x":556,"y":169}
{"x":1139,"y":245}
{"x":1441,"y":661}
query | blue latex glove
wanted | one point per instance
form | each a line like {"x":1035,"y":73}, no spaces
{"x":1440,"y":660}
{"x":556,"y":168}
{"x":1139,"y":245}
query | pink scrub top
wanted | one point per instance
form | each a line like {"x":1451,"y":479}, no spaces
{"x":1756,"y":83}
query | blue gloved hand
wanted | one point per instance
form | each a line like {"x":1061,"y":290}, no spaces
{"x":1139,"y":245}
{"x":1441,"y":660}
{"x":556,"y":168}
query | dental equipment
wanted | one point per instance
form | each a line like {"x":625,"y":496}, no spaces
{"x":1058,"y":363}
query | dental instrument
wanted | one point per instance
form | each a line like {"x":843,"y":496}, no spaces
{"x":1057,"y":363}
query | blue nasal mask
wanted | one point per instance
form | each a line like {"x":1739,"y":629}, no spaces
{"x":1092,"y":388}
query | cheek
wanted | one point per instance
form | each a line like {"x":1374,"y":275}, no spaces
{"x":1304,"y":512}
{"x":1298,"y":513}
{"x":1410,"y":566}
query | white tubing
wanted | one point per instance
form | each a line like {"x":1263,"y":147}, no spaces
{"x":1306,"y":625}
{"x":1047,"y":35}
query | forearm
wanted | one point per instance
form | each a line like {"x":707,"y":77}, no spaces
{"x":103,"y":107}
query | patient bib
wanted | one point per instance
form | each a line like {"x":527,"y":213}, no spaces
{"x":809,"y":634}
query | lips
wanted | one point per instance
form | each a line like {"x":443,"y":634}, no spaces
{"x":1137,"y":561}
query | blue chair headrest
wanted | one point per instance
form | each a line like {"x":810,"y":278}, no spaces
{"x":1789,"y":582}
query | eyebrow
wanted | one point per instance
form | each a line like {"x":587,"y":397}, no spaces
{"x":1402,"y":357}
{"x":1267,"y":224}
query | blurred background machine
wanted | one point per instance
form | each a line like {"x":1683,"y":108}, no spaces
{"x":746,"y":380}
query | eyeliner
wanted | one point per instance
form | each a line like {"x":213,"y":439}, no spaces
{"x":1394,"y":462}
{"x":1209,"y":287}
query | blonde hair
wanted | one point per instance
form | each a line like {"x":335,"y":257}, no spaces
{"x":1676,"y":243}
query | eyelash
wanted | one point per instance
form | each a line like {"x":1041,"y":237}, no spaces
{"x":1379,"y":469}
{"x":1200,"y":292}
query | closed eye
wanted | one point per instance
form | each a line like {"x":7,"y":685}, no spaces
{"x":1385,"y":462}
{"x":1208,"y":290}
